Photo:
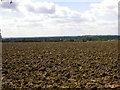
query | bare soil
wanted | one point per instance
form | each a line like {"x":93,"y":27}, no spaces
{"x":60,"y":65}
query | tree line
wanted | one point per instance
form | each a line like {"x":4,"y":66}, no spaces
{"x":63,"y":39}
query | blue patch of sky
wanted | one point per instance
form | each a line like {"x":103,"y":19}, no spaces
{"x":12,"y":14}
{"x":78,"y":5}
{"x":68,"y":0}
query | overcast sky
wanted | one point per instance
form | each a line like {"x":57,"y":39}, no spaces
{"x":34,"y":18}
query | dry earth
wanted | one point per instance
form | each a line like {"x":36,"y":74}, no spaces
{"x":60,"y":65}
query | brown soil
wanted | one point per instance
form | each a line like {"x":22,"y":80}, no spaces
{"x":60,"y":65}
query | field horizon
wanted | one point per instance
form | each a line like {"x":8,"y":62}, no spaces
{"x":63,"y":38}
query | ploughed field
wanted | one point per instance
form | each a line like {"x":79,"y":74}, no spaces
{"x":60,"y":65}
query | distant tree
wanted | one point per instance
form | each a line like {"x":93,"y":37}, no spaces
{"x":69,"y":40}
{"x":0,"y":36}
{"x":84,"y":40}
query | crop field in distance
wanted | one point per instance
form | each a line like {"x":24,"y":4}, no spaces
{"x":60,"y":65}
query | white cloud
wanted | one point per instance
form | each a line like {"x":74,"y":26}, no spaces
{"x":37,"y":8}
{"x":6,"y":6}
{"x":47,"y":19}
{"x":106,"y":8}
